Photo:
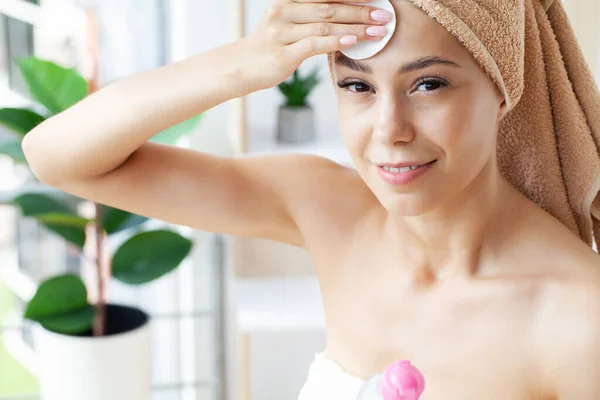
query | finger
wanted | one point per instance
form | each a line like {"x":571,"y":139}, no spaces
{"x":315,"y":45}
{"x":288,"y":35}
{"x":305,"y":13}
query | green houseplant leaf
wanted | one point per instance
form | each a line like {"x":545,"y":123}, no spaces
{"x":298,"y":88}
{"x":173,"y":134}
{"x":55,"y":87}
{"x":311,"y":81}
{"x":60,"y":304}
{"x":14,"y":150}
{"x":149,"y":255}
{"x":37,"y":205}
{"x":71,"y":323}
{"x":71,"y":234}
{"x":57,"y":295}
{"x":115,"y":220}
{"x":61,"y":219}
{"x":20,"y":120}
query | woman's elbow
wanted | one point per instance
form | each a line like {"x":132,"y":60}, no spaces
{"x":38,"y":155}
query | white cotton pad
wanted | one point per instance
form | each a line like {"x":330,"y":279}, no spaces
{"x":366,"y":49}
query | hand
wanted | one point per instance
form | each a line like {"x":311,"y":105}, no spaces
{"x":294,"y":30}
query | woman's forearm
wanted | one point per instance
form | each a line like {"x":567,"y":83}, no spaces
{"x":99,"y":133}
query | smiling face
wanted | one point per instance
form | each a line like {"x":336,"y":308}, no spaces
{"x":420,"y":118}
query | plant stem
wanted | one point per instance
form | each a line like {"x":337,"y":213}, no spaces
{"x":99,"y":324}
{"x":100,"y":319}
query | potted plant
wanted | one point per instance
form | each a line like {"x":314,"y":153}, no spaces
{"x":296,"y":117}
{"x":90,"y":350}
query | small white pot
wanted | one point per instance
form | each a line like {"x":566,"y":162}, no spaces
{"x":115,"y":366}
{"x":295,"y":124}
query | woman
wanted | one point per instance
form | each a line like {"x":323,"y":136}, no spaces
{"x":426,"y":252}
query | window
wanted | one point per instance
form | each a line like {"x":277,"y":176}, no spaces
{"x":16,"y":40}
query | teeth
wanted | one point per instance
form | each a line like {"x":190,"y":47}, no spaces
{"x":399,"y":170}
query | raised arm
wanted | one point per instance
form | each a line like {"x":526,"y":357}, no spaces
{"x":99,"y":149}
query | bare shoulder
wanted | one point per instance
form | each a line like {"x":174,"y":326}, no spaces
{"x":572,"y":293}
{"x":569,"y":333}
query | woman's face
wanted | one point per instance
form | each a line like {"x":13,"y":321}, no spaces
{"x":422,"y":103}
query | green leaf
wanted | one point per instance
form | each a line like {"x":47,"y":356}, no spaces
{"x":20,"y":120}
{"x":173,"y":134}
{"x":57,"y":88}
{"x":149,"y":255}
{"x":311,"y":81}
{"x":59,"y":219}
{"x":71,"y":234}
{"x":56,"y":296}
{"x":71,"y":323}
{"x":115,"y":220}
{"x":298,"y":88}
{"x":38,"y":205}
{"x":14,"y":150}
{"x":33,"y":204}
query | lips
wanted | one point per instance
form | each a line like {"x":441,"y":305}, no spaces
{"x":402,"y":169}
{"x":405,"y":164}
{"x":404,"y":173}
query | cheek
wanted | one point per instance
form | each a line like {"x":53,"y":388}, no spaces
{"x":345,"y":116}
{"x":356,"y":127}
{"x":462,"y":128}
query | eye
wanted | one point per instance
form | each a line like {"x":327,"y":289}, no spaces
{"x":354,"y":86}
{"x":430,"y":85}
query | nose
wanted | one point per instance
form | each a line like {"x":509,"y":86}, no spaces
{"x":393,"y":126}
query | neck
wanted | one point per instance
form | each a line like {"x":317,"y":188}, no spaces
{"x":451,"y":240}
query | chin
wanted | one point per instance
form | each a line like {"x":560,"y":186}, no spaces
{"x":405,"y":204}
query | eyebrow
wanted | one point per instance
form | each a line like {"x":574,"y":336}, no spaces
{"x":424,"y":62}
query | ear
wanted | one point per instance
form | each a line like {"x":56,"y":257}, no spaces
{"x":502,"y":110}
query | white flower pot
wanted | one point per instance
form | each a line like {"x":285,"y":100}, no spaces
{"x":295,"y":124}
{"x":115,"y":366}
